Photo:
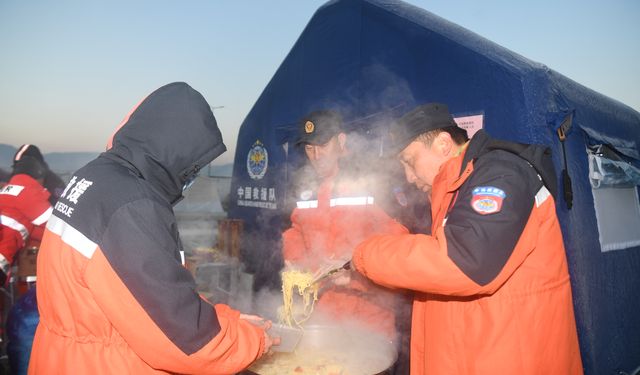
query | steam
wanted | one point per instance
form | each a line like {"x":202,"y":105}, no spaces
{"x":369,"y":106}
{"x":266,"y":304}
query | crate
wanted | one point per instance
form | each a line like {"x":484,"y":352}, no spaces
{"x":229,"y":234}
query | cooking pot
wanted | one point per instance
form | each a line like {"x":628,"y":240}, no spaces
{"x":325,"y":349}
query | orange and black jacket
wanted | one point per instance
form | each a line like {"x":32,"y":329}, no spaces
{"x":113,"y":295}
{"x":491,"y":284}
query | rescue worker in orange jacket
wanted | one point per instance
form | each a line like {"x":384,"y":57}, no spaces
{"x":491,"y":283}
{"x":113,"y":294}
{"x":334,"y":212}
{"x":24,"y":210}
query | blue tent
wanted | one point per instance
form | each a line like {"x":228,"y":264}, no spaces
{"x":374,"y":59}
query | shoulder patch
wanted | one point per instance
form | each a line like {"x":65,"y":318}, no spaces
{"x":487,"y":200}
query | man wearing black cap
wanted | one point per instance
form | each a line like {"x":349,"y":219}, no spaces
{"x":323,"y":140}
{"x":335,"y":210}
{"x":491,"y":283}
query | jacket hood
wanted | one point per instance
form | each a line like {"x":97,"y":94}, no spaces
{"x":28,"y":150}
{"x":169,"y":137}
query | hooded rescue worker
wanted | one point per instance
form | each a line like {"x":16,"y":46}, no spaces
{"x":24,"y":211}
{"x":491,"y":283}
{"x":113,"y":294}
{"x":335,"y":211}
{"x":52,"y":182}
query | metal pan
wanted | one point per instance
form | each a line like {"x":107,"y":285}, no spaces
{"x":332,"y":349}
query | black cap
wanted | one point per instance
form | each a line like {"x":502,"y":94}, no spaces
{"x":30,"y":166}
{"x":424,"y":118}
{"x":28,"y":150}
{"x":318,"y":127}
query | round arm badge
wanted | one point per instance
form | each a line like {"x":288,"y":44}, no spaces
{"x":487,"y":200}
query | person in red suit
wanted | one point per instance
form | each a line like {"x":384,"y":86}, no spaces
{"x":24,"y":210}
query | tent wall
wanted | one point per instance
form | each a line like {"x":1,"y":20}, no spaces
{"x":605,"y":284}
{"x":384,"y":57}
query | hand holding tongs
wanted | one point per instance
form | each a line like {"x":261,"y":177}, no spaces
{"x":324,"y":274}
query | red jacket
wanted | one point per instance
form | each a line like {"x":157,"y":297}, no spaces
{"x":328,"y":223}
{"x":24,"y":210}
{"x":492,"y":292}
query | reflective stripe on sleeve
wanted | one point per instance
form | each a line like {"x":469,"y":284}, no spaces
{"x":15,"y":225}
{"x":4,"y":264}
{"x":44,"y":217}
{"x":351,"y":201}
{"x":72,"y":236}
{"x":307,"y":204}
{"x":542,"y":195}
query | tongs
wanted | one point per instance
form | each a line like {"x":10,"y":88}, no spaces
{"x":323,"y":275}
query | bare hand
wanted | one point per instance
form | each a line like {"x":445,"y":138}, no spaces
{"x":265,"y":325}
{"x":269,"y":341}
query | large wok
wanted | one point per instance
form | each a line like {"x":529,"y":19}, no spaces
{"x":332,"y":349}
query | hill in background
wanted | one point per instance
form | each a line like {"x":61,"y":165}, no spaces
{"x":65,"y":163}
{"x":6,"y":155}
{"x":59,"y":162}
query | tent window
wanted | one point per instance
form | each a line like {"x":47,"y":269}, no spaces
{"x":608,"y":169}
{"x":614,"y":184}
